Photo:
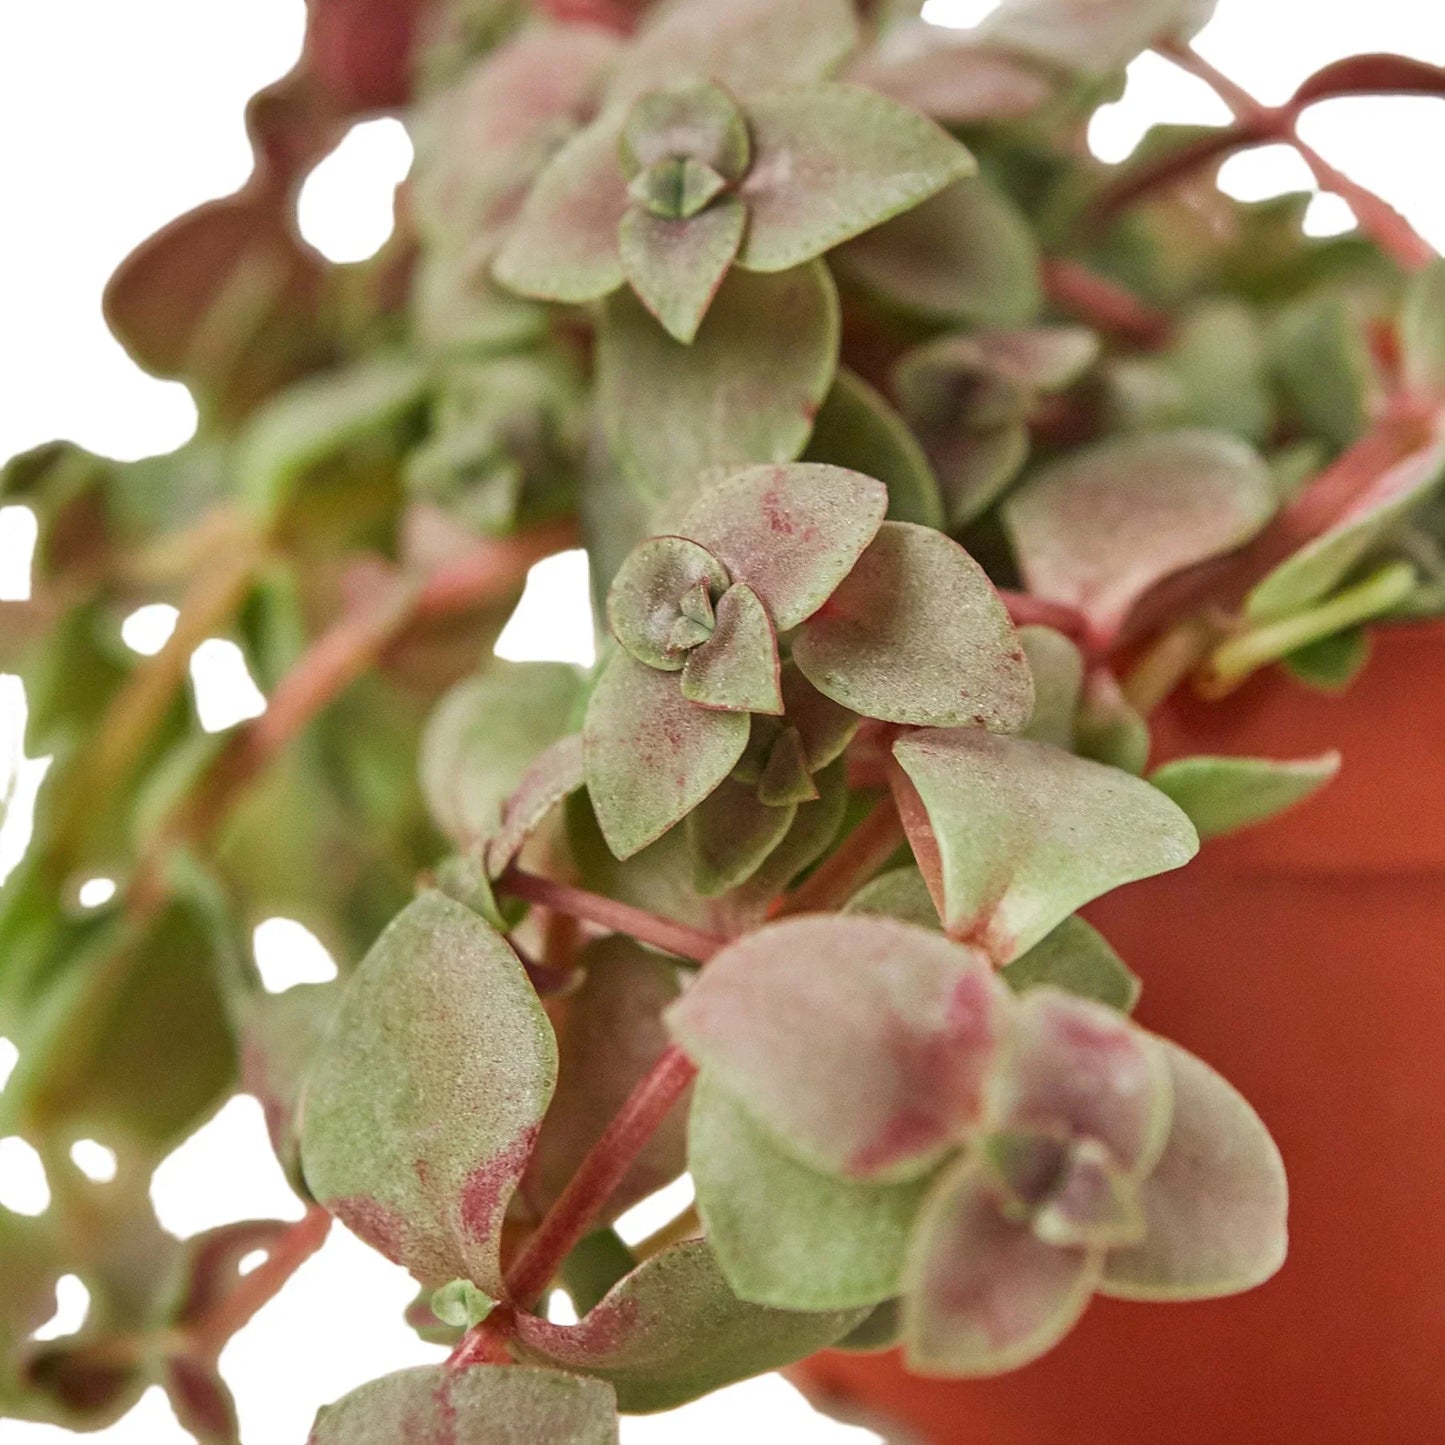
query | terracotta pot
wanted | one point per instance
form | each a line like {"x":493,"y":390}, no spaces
{"x":1306,"y":960}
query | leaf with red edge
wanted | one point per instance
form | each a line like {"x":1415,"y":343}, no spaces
{"x":917,"y":634}
{"x":650,"y":755}
{"x":676,"y":266}
{"x":831,"y":161}
{"x":984,"y":1293}
{"x":792,"y":533}
{"x":1026,"y":833}
{"x":863,"y":1044}
{"x":555,"y":773}
{"x":474,"y":1405}
{"x":425,"y":1101}
{"x":609,"y":1033}
{"x":737,"y":668}
{"x":1079,"y":1069}
{"x":673,"y":1330}
{"x":746,"y":390}
{"x":646,"y":600}
{"x":1096,"y":529}
{"x":563,"y":244}
{"x":1215,"y":1205}
{"x":745,"y":45}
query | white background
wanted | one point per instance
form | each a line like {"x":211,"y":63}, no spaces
{"x":116,"y":115}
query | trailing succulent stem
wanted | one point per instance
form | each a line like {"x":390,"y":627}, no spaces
{"x":918,"y":458}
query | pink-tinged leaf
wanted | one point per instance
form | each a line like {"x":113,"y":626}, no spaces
{"x":737,"y":668}
{"x":563,"y":244}
{"x":651,"y":589}
{"x":609,"y":1033}
{"x":792,"y":533}
{"x":673,"y":1330}
{"x":650,"y":755}
{"x":731,"y":832}
{"x":951,"y":78}
{"x":863,"y":1044}
{"x":475,"y":1405}
{"x":786,"y":1235}
{"x":984,"y":1293}
{"x":1215,"y":1205}
{"x":1319,"y":566}
{"x":917,"y":634}
{"x":202,"y":1401}
{"x":745,"y":45}
{"x":1092,"y":37}
{"x":1222,"y":795}
{"x":746,"y":390}
{"x":676,"y":266}
{"x":1026,"y":833}
{"x":1081,"y":1070}
{"x":1098,"y":528}
{"x":831,"y":161}
{"x":1372,"y":75}
{"x":425,"y":1101}
{"x":554,"y":774}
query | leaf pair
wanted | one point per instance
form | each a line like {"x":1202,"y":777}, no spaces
{"x":877,"y":1117}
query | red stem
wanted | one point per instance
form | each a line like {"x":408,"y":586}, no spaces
{"x":608,"y":913}
{"x":1027,"y":610}
{"x":598,"y":1176}
{"x":1103,"y":303}
{"x":865,"y":850}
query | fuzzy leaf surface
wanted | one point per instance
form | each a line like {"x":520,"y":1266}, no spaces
{"x":650,"y":755}
{"x":1222,"y":795}
{"x":555,"y":773}
{"x":673,"y":1330}
{"x":1026,"y":833}
{"x":862,"y":1043}
{"x":746,"y":390}
{"x":831,"y":161}
{"x":676,"y":266}
{"x":737,"y":668}
{"x":1078,"y":959}
{"x":1216,"y":1202}
{"x":425,"y":1101}
{"x":917,"y":634}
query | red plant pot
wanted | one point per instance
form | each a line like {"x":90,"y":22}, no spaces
{"x":1306,"y":960}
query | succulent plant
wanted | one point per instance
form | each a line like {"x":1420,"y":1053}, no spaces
{"x":918,"y":456}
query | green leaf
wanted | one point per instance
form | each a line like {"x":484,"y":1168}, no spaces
{"x":647,"y":598}
{"x":1216,"y":1202}
{"x":863,"y":1044}
{"x":831,"y":161}
{"x":1322,"y":361}
{"x":966,"y":255}
{"x":1222,"y":795}
{"x":609,"y":1033}
{"x":736,"y":669}
{"x":555,"y":773}
{"x":695,"y":122}
{"x":650,"y":755}
{"x":1107,"y":727}
{"x":597,"y":1262}
{"x":676,"y":266}
{"x":1096,"y":529}
{"x":1318,"y":567}
{"x":731,"y":832}
{"x":563,"y":244}
{"x":1333,"y":662}
{"x":900,"y":893}
{"x":673,"y":1330}
{"x":1026,"y":833}
{"x":744,"y":46}
{"x":1422,"y":331}
{"x":1092,"y":36}
{"x":792,"y":533}
{"x":474,"y":1405}
{"x":786,"y":1235}
{"x":1057,"y":667}
{"x":320,"y":417}
{"x":484,"y":734}
{"x":461,"y":1304}
{"x":745,"y":391}
{"x":1077,"y":958}
{"x":917,"y":634}
{"x":425,"y":1101}
{"x":1076,"y":1069}
{"x":985,"y":1294}
{"x":858,"y":429}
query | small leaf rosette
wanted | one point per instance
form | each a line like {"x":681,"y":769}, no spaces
{"x":882,"y":1122}
{"x":882,"y":619}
